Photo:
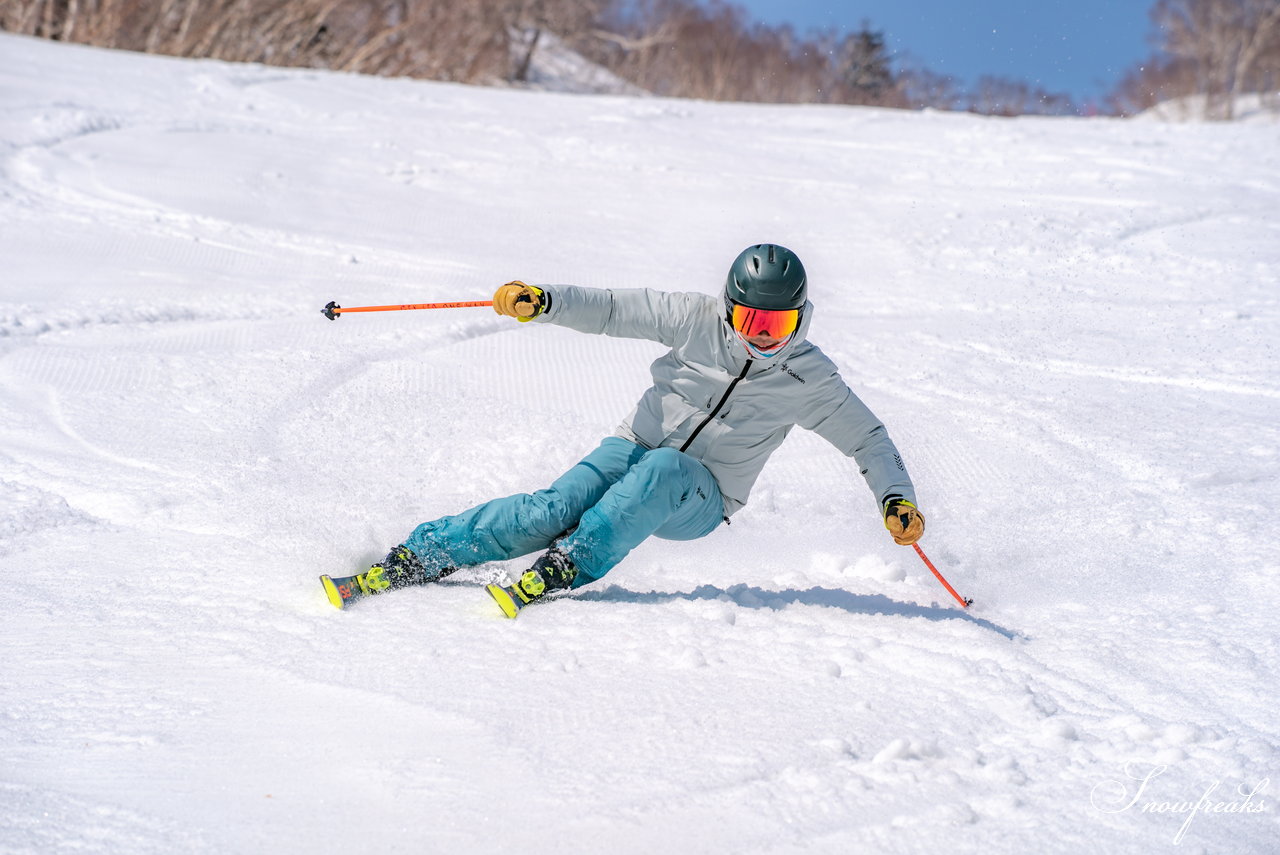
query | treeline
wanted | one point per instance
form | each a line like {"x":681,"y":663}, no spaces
{"x":1216,"y":50}
{"x":712,"y":50}
{"x":463,"y":40}
{"x":680,"y":48}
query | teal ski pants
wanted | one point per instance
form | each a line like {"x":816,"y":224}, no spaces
{"x":612,"y":500}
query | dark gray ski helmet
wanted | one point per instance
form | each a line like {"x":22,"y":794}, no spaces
{"x":766,"y":276}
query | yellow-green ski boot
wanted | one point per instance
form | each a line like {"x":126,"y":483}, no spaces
{"x":553,"y":571}
{"x":400,"y":569}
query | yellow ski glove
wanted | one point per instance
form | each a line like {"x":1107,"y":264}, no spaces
{"x":903,"y":520}
{"x":518,"y":300}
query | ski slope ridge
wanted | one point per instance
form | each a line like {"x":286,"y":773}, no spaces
{"x":1068,"y":326}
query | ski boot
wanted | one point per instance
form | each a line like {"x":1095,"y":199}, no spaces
{"x":553,"y":571}
{"x":400,"y":569}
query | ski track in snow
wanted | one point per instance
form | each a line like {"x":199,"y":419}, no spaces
{"x":1069,"y":327}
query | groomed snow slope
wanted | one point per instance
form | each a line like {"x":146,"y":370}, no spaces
{"x":1070,"y":327}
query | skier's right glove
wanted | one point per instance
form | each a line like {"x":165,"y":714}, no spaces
{"x":518,"y":300}
{"x":903,"y":520}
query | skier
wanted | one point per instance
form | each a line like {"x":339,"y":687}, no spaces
{"x":739,"y":375}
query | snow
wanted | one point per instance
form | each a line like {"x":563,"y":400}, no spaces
{"x":1249,"y":107}
{"x":1070,"y":327}
{"x":555,"y":67}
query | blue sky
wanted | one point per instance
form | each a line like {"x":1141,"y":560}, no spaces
{"x":1081,"y":47}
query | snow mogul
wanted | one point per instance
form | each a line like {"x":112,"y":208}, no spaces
{"x":739,"y":376}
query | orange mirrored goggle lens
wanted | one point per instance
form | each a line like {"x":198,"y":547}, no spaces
{"x":776,"y":323}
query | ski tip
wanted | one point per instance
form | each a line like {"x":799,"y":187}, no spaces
{"x":332,"y":592}
{"x":505,"y":601}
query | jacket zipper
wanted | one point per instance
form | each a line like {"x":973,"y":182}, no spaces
{"x":727,"y":392}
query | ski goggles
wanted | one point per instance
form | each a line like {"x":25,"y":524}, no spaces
{"x":775,"y":323}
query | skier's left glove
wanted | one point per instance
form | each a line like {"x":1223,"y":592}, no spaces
{"x":903,"y":520}
{"x":520,"y":301}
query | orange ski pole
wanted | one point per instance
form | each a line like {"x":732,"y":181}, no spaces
{"x":332,"y":309}
{"x":961,"y":600}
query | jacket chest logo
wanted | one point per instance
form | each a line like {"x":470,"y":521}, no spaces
{"x":787,"y":369}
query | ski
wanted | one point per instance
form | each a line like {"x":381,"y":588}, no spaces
{"x":506,"y":598}
{"x":345,"y":589}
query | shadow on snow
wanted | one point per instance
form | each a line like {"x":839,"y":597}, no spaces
{"x":749,"y":596}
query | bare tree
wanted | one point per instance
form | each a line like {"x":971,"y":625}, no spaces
{"x":1156,"y":81}
{"x":1006,"y":96}
{"x":1000,"y":96}
{"x":464,"y":40}
{"x":713,"y":50}
{"x":569,"y":20}
{"x":922,"y":88}
{"x":1225,"y":42}
{"x":685,"y":48}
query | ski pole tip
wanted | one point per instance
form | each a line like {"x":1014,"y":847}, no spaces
{"x":329,"y":310}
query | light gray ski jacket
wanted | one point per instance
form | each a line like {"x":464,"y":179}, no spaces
{"x":733,"y":435}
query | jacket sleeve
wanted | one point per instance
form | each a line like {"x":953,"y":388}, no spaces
{"x":660,"y":316}
{"x":839,"y":416}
